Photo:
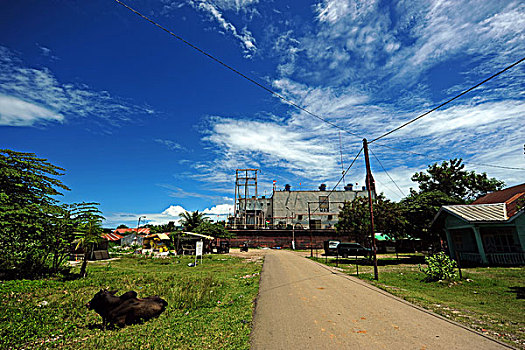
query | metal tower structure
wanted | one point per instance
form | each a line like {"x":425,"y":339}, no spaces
{"x":245,"y":198}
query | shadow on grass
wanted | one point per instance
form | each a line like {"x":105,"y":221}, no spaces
{"x":383,"y":262}
{"x":520,"y":292}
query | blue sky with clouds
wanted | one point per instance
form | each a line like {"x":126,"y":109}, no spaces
{"x":145,"y":125}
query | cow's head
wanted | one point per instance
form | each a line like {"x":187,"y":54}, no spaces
{"x":100,"y":299}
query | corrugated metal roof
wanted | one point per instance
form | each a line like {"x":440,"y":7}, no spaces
{"x":479,"y":212}
{"x":501,"y":196}
{"x":143,"y":230}
{"x":112,"y":236}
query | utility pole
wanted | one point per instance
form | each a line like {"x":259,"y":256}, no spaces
{"x":369,"y":184}
{"x":310,"y":229}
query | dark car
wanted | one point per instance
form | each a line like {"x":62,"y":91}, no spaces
{"x":352,"y":249}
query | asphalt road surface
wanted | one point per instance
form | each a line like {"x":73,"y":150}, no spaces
{"x":305,"y":305}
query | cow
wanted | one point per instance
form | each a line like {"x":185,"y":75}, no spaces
{"x":126,"y":309}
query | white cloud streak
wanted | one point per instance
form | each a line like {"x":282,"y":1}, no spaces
{"x":213,"y":9}
{"x":39,"y":97}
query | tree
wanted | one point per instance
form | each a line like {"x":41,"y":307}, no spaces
{"x":191,"y":221}
{"x":28,"y":185}
{"x":89,"y":230}
{"x":213,"y":229}
{"x":354,"y":219}
{"x":60,"y":226}
{"x":122,"y":226}
{"x":451,"y":179}
{"x":420,"y":208}
{"x":443,"y":184}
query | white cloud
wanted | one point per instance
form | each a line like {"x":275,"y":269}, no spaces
{"x":220,"y":210}
{"x":273,"y":144}
{"x":171,"y":145}
{"x":212,"y":8}
{"x":172,"y":213}
{"x":45,"y":96}
{"x":16,"y":112}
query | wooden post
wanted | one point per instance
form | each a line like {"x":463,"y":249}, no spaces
{"x":368,"y":186}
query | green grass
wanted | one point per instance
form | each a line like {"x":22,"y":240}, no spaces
{"x":486,"y":299}
{"x":210,"y":306}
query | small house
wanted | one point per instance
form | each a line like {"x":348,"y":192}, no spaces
{"x":490,"y":231}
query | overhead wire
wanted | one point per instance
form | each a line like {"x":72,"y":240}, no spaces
{"x":340,"y":179}
{"x":448,"y":101}
{"x":442,"y":159}
{"x":386,"y":172}
{"x":253,"y":81}
{"x":292,"y":103}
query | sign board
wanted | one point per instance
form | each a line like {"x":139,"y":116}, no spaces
{"x":198,"y":251}
{"x":198,"y":248}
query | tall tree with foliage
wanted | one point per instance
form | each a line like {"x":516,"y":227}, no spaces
{"x":89,"y":230}
{"x":28,"y":185}
{"x":354,"y":219}
{"x":443,"y":184}
{"x":213,"y":229}
{"x":420,"y":209}
{"x":190,"y":221}
{"x":451,"y":179}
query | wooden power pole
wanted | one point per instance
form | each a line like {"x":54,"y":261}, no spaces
{"x":369,"y":184}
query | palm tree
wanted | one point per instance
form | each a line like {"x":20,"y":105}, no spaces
{"x":88,"y":230}
{"x":191,"y":221}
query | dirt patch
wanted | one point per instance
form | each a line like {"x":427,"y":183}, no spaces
{"x":252,"y":255}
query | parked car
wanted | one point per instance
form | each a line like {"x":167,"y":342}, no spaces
{"x":352,"y":249}
{"x":330,"y":247}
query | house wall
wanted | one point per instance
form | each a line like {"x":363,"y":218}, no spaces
{"x":520,"y":228}
{"x":291,"y":207}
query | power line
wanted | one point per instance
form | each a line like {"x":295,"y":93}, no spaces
{"x":341,"y":179}
{"x":441,"y":159}
{"x":253,"y":81}
{"x":386,"y":172}
{"x":448,"y":101}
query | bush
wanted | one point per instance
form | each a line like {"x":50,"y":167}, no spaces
{"x":440,"y":267}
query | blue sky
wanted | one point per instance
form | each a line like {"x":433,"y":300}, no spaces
{"x":145,"y":125}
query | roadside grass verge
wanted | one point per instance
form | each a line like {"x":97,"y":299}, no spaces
{"x":488,"y":299}
{"x":209,"y":306}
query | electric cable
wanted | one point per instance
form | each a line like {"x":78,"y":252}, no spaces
{"x":386,"y":172}
{"x":276,"y":94}
{"x":448,"y":101}
{"x":340,"y":179}
{"x":441,"y":159}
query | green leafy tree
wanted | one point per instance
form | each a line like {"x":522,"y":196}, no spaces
{"x":122,"y":226}
{"x":89,"y":230}
{"x":28,"y":185}
{"x":213,"y":229}
{"x":420,"y":208}
{"x":454,"y":181}
{"x":190,"y":221}
{"x":354,"y":219}
{"x":60,"y":227}
{"x":443,"y":184}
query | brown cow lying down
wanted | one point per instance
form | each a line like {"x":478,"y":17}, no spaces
{"x":126,"y":309}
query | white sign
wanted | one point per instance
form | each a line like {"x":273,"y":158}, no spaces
{"x":198,"y":248}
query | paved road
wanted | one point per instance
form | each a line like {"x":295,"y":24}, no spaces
{"x":304,"y":305}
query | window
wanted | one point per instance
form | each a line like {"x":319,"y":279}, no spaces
{"x":323,"y":204}
{"x":330,"y":217}
{"x":299,"y":217}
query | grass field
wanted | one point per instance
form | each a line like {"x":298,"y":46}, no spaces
{"x":489,"y":300}
{"x":210,"y":306}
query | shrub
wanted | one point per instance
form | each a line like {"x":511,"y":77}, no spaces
{"x":440,"y":267}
